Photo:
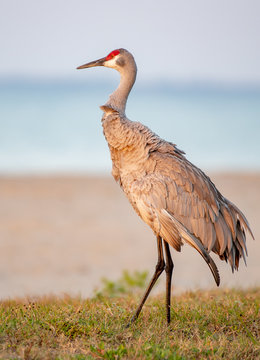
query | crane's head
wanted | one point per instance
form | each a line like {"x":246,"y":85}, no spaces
{"x":117,"y":59}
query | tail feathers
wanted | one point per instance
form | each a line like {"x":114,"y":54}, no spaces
{"x":214,"y":270}
{"x":238,"y":248}
{"x":194,"y":242}
{"x":241,"y":217}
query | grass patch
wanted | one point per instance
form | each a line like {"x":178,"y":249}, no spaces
{"x":127,"y":284}
{"x":205,"y":325}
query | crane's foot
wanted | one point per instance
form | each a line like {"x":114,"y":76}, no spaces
{"x":128,"y":325}
{"x":134,"y":317}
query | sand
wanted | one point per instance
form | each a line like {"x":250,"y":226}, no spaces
{"x":63,"y":234}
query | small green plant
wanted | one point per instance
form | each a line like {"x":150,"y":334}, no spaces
{"x":110,"y":354}
{"x":127,"y":284}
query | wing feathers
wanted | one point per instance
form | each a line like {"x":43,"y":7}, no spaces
{"x":168,"y":230}
{"x":211,"y":237}
{"x":179,"y":193}
{"x":193,"y":241}
{"x":229,"y":220}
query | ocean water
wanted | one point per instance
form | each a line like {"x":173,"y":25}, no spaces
{"x":52,"y":127}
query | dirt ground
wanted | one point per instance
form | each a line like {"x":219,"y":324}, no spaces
{"x":63,"y":234}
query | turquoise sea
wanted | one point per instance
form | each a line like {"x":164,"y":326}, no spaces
{"x":54,"y":126}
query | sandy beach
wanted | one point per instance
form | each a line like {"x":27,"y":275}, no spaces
{"x":62,"y":234}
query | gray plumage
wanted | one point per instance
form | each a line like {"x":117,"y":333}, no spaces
{"x":175,"y":198}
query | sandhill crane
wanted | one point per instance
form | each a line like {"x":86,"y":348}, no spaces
{"x":174,"y":197}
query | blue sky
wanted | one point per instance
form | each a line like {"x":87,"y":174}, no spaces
{"x":184,"y":40}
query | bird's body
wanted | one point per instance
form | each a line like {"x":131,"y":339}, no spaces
{"x":174,"y":197}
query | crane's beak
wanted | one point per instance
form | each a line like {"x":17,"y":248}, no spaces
{"x":99,"y":62}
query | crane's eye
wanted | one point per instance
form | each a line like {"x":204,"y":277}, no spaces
{"x":112,"y":54}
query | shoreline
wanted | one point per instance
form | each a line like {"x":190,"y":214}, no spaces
{"x":63,"y":233}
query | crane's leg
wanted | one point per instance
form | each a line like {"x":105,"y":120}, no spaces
{"x":168,"y":270}
{"x":158,"y":270}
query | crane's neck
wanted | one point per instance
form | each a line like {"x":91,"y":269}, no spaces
{"x":117,"y":100}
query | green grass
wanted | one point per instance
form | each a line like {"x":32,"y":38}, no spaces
{"x":205,"y":325}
